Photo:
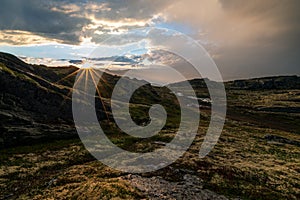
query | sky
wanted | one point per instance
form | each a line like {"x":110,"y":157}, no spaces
{"x":245,"y":38}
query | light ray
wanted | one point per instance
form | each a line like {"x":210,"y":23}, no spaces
{"x":100,"y":77}
{"x":71,"y":89}
{"x":97,"y":89}
{"x":68,"y":76}
{"x":85,"y":74}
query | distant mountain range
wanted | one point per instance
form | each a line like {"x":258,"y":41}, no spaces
{"x":266,"y":83}
{"x":35,"y":100}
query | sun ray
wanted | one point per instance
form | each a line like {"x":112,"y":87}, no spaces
{"x":97,"y":89}
{"x":101,"y":78}
{"x":84,"y":74}
{"x":68,"y":76}
{"x":71,"y":89}
{"x":86,"y":79}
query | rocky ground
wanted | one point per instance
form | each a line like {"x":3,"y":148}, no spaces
{"x":190,"y":187}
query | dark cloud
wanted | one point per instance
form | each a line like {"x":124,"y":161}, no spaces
{"x":67,"y":20}
{"x":37,"y":17}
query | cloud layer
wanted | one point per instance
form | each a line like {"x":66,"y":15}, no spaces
{"x":245,"y":38}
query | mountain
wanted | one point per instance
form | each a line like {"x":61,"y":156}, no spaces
{"x":266,"y":83}
{"x":35,"y":100}
{"x":36,"y":105}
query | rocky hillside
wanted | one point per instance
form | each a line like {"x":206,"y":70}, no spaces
{"x":33,"y":105}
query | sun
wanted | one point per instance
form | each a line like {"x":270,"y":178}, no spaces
{"x":87,"y":65}
{"x":87,"y":72}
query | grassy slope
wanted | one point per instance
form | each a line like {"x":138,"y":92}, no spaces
{"x":242,"y":164}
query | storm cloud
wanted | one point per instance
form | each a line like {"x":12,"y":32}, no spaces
{"x":246,"y":38}
{"x":36,"y":16}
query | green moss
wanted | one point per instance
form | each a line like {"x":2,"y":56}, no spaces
{"x":18,"y":75}
{"x":7,"y":70}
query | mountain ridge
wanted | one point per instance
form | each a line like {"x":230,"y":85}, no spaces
{"x":35,"y":99}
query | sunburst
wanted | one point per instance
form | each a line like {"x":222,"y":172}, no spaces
{"x":87,"y":73}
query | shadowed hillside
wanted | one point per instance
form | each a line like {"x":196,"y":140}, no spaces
{"x":257,"y":156}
